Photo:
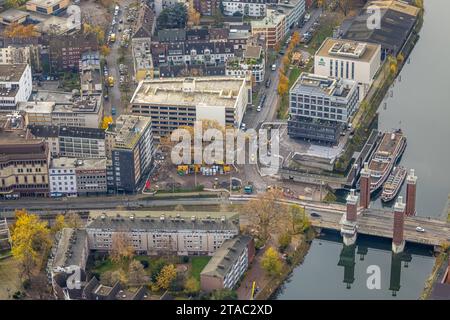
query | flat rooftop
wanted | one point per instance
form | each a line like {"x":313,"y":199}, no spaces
{"x":86,"y":164}
{"x":44,"y":3}
{"x":11,"y":72}
{"x":127,"y":130}
{"x":36,"y":106}
{"x":210,"y":91}
{"x":348,"y":49}
{"x":272,"y":19}
{"x":13,"y":14}
{"x":309,"y":83}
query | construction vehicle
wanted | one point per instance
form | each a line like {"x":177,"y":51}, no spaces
{"x":110,"y":81}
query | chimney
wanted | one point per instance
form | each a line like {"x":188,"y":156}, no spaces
{"x":411,"y":184}
{"x":365,"y":186}
{"x":352,"y":204}
{"x":398,"y":242}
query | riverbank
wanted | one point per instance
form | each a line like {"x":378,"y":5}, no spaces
{"x":296,"y":259}
{"x":436,"y":274}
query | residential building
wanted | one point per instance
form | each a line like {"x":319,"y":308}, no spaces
{"x":15,"y":85}
{"x":50,"y":134}
{"x":273,"y":27}
{"x":145,"y":24}
{"x":130,"y":147}
{"x":69,"y":254}
{"x":162,"y":234}
{"x":228,"y":264}
{"x":350,"y":60}
{"x":171,"y":103}
{"x":73,"y":177}
{"x":251,"y":63}
{"x":397,"y":22}
{"x":65,"y":51}
{"x":81,"y":142}
{"x":142,"y":60}
{"x":62,"y":178}
{"x":23,"y":161}
{"x":207,"y":7}
{"x":47,"y":6}
{"x":294,"y":10}
{"x":90,"y":74}
{"x":239,"y":35}
{"x":250,"y":8}
{"x":160,"y":5}
{"x":321,"y":107}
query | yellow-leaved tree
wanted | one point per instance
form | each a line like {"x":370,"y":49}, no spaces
{"x":271,"y":262}
{"x":30,"y":242}
{"x":106,"y":121}
{"x":166,"y":276}
{"x":283,"y":84}
{"x":59,"y":224}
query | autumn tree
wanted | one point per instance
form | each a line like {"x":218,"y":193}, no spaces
{"x":344,"y":5}
{"x":107,"y":120}
{"x":30,"y":242}
{"x":283,"y":84}
{"x":16,"y":30}
{"x":299,"y":220}
{"x":191,"y":286}
{"x":284,"y":240}
{"x":193,"y":15}
{"x":166,"y":277}
{"x":265,"y":214}
{"x":136,"y":273}
{"x":73,"y":220}
{"x":97,"y":30}
{"x":59,"y":224}
{"x":271,"y":262}
{"x":120,"y":247}
{"x":105,"y":50}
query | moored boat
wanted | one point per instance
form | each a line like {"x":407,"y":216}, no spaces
{"x":392,"y":185}
{"x":386,"y":155}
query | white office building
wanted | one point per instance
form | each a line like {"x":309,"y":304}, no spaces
{"x":347,"y":59}
{"x":62,"y":177}
{"x":15,"y":85}
{"x":250,"y":8}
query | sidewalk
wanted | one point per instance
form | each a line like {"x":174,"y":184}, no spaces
{"x":254,"y":273}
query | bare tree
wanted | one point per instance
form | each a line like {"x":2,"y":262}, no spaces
{"x":121,"y":248}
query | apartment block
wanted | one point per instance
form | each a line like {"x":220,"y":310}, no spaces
{"x":161,"y":234}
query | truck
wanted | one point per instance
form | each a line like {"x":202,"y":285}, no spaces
{"x":110,"y":81}
{"x":248,"y":189}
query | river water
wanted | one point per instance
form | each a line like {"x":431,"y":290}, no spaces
{"x":419,"y":103}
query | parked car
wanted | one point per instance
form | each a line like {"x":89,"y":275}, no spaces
{"x":420,"y":229}
{"x":315,"y":215}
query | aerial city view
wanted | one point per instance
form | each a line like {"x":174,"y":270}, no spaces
{"x":258,"y":150}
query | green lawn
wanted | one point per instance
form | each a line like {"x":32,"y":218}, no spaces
{"x":293,"y":75}
{"x":9,"y":278}
{"x":197,"y":265}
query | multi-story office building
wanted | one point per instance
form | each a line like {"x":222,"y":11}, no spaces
{"x":86,"y":111}
{"x":15,"y":85}
{"x":171,"y":103}
{"x":129,"y":143}
{"x":228,"y":264}
{"x":273,"y":27}
{"x":23,"y":161}
{"x":252,"y":63}
{"x":349,"y":59}
{"x":81,"y":142}
{"x":320,"y":107}
{"x":294,"y":10}
{"x":47,"y":6}
{"x":162,"y":234}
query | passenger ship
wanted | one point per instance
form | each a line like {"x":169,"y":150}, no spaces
{"x":393,"y":184}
